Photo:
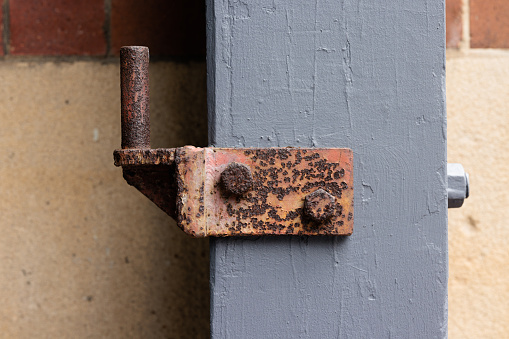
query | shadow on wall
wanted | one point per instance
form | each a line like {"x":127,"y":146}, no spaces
{"x":178,"y":118}
{"x":175,"y":279}
{"x":179,"y":273}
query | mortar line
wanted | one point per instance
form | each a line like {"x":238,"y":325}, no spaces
{"x":465,"y":25}
{"x":6,"y":32}
{"x":107,"y":26}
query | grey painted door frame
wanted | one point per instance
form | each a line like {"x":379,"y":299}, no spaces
{"x":367,"y":75}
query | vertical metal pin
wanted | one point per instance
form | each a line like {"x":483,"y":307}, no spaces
{"x":135,"y":96}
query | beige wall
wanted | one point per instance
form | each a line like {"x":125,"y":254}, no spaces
{"x":478,"y":124}
{"x":84,"y":255}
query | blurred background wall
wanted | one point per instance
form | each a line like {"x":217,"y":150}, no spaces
{"x":82,"y":254}
{"x":477,"y":83}
{"x":85,"y":255}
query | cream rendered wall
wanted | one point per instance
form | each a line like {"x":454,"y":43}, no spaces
{"x":82,"y":254}
{"x":478,"y":138}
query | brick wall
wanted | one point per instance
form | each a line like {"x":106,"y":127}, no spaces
{"x":486,"y":23}
{"x":177,"y":28}
{"x":100,"y":27}
{"x":477,"y":86}
{"x":489,"y":23}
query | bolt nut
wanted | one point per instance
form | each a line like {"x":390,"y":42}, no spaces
{"x":319,"y":205}
{"x":458,"y":185}
{"x":237,"y":179}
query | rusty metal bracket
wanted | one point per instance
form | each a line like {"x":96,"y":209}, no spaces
{"x":232,"y":191}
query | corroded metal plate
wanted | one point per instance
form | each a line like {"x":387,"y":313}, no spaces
{"x":282,"y":179}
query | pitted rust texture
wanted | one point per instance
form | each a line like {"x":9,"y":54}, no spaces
{"x":138,"y":157}
{"x":280,"y":190}
{"x":283,"y":177}
{"x":155,"y":182}
{"x":237,"y":179}
{"x":152,"y":172}
{"x":319,"y":205}
{"x":134,"y":87}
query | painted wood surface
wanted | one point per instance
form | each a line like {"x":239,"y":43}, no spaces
{"x":368,"y":75}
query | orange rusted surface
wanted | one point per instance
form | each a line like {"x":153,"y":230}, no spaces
{"x":274,"y":205}
{"x":141,"y":157}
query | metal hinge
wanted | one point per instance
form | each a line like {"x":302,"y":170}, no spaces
{"x":232,"y":191}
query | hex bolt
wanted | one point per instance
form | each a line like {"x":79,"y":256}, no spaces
{"x":237,"y":179}
{"x":458,"y":185}
{"x":134,"y":97}
{"x":319,"y":205}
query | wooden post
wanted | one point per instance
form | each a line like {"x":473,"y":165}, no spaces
{"x":368,"y":75}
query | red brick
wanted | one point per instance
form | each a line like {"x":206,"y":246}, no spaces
{"x":167,"y":27}
{"x":489,"y":23}
{"x":57,"y":27}
{"x":454,"y":25}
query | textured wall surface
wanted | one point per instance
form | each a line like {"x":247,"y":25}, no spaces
{"x":365,"y":75}
{"x":478,"y":135}
{"x":84,"y":255}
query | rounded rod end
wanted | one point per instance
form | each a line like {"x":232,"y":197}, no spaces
{"x":134,"y":85}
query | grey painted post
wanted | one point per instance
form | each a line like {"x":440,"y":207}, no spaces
{"x":368,"y":75}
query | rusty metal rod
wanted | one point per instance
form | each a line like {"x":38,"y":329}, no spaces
{"x":135,"y":97}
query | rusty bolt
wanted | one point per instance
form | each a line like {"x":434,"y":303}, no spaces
{"x":237,"y":178}
{"x":319,"y":205}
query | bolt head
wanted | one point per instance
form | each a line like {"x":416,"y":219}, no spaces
{"x":319,"y":205}
{"x":237,"y":179}
{"x":458,"y":185}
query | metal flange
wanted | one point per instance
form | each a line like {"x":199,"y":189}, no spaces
{"x":247,"y":191}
